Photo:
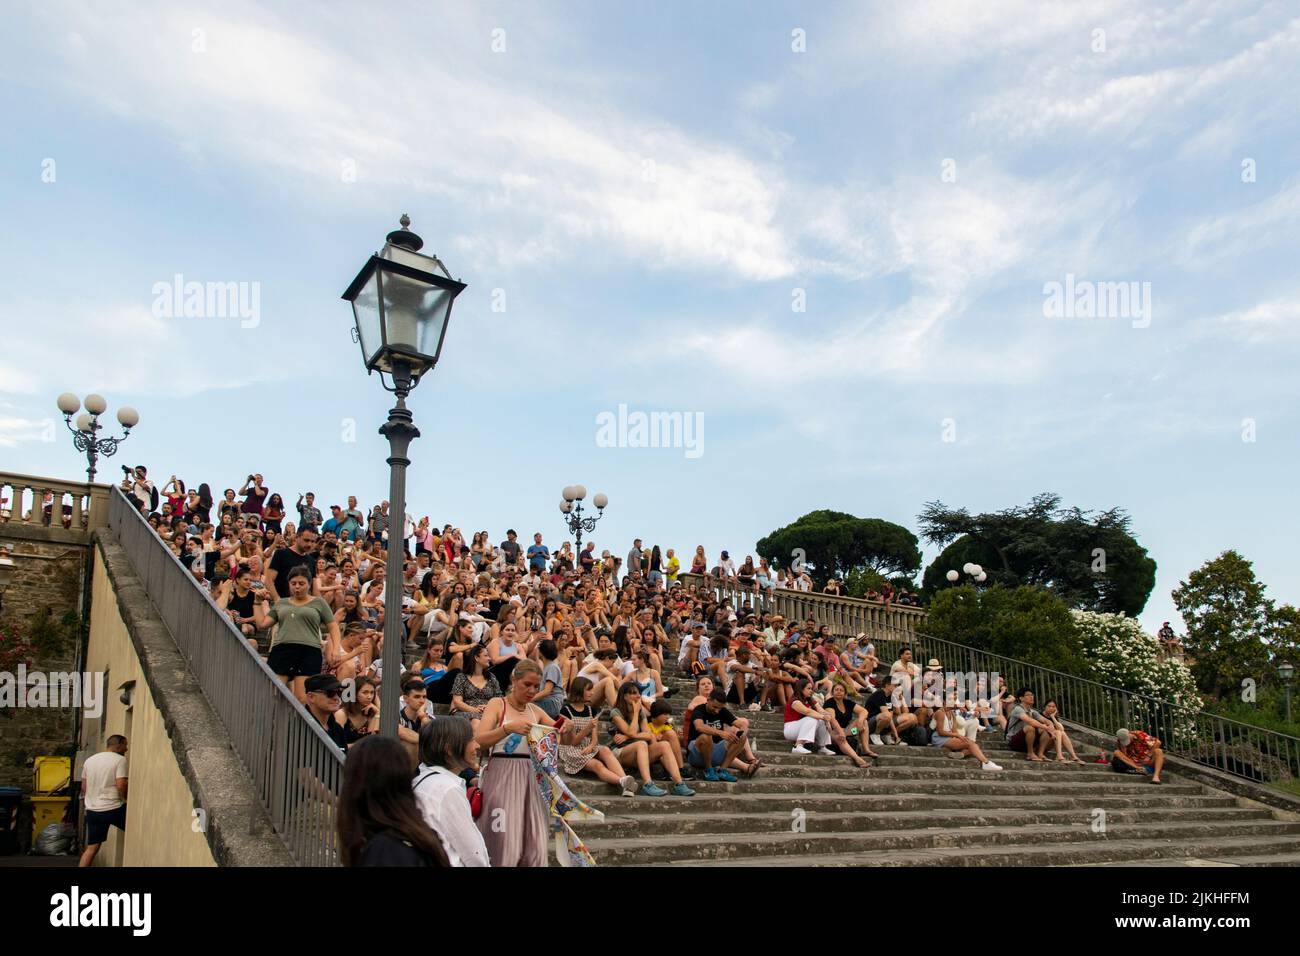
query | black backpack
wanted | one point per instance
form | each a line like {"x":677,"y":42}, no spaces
{"x":919,"y":736}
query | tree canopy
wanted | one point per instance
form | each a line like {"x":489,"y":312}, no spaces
{"x":1089,"y":559}
{"x":1025,"y":623}
{"x":833,"y":543}
{"x":1230,"y":624}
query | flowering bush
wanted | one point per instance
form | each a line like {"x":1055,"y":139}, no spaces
{"x":1121,"y":654}
{"x":14,"y":649}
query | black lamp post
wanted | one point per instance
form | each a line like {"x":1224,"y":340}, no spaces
{"x":1286,"y":671}
{"x":86,"y":433}
{"x":401,"y":301}
{"x":571,"y":508}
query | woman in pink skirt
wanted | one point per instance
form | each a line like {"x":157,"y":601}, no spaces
{"x":513,"y":821}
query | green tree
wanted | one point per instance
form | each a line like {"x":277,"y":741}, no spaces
{"x":1089,"y":559}
{"x":833,"y":544}
{"x":1026,"y":623}
{"x":1229,"y":621}
{"x":1284,"y":637}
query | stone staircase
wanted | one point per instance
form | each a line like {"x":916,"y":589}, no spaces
{"x":918,"y":807}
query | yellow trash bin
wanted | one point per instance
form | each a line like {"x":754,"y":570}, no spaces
{"x":51,"y":774}
{"x":47,"y":810}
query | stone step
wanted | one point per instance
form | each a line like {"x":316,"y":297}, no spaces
{"x":918,"y":757}
{"x":979,"y":783}
{"x":739,"y":804}
{"x":672,"y":848}
{"x":630,"y":826}
{"x":1218,"y":860}
{"x":774,"y":742}
{"x":1106,"y":852}
{"x":955,"y":770}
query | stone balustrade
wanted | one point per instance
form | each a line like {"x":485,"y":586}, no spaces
{"x":847,"y":616}
{"x":33,"y":508}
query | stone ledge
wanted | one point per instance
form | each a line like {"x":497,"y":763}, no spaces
{"x":239,"y":832}
{"x":1287,"y":805}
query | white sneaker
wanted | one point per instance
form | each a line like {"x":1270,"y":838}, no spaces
{"x":826,"y":752}
{"x":989,"y":766}
{"x":876,"y":741}
{"x":800,"y":750}
{"x":629,"y":786}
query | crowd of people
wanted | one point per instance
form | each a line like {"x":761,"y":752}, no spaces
{"x":508,"y":636}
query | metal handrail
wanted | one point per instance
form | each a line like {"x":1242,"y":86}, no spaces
{"x":296,"y":770}
{"x":1232,"y":746}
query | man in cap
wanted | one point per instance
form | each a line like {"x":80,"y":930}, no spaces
{"x":1135,"y":752}
{"x":324,"y":698}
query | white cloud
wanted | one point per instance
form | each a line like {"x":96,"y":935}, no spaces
{"x":553,"y":171}
{"x":121,"y":349}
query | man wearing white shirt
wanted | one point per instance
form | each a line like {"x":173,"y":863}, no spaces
{"x":727,"y":565}
{"x":471,"y":614}
{"x":447,"y":750}
{"x":103,"y":788}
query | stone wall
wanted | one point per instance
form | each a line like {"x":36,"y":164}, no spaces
{"x":48,"y":582}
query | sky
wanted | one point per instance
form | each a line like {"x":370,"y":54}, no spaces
{"x":828,"y":233}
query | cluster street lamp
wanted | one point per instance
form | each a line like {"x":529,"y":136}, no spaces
{"x":975,"y":572}
{"x":571,"y":508}
{"x":401,"y":301}
{"x":86,"y":433}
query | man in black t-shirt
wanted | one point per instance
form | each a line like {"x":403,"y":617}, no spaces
{"x":713,"y":741}
{"x":512,"y":549}
{"x":286,"y":559}
{"x":880,"y":717}
{"x":324,"y":697}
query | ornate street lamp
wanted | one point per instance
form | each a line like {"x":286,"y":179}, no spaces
{"x":571,"y":508}
{"x":1286,"y":670}
{"x":85,"y":434}
{"x":975,"y":572}
{"x":401,"y":301}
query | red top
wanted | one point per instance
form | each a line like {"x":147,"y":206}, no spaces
{"x":1138,"y":748}
{"x":791,"y":713}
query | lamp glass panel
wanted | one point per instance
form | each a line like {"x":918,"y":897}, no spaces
{"x":365,"y":307}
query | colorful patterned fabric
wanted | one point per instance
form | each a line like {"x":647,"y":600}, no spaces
{"x":558,"y":799}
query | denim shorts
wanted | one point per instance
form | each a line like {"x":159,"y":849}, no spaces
{"x":696,"y":760}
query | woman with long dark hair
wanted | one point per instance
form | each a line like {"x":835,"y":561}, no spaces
{"x":273,"y":513}
{"x":201,"y":506}
{"x":362,"y":712}
{"x":474,"y":688}
{"x":379,"y":823}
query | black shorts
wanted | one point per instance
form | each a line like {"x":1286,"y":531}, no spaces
{"x":295,"y":660}
{"x":1018,"y":743}
{"x":98,"y":822}
{"x":751,"y":695}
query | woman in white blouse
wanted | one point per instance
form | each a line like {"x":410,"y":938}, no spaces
{"x":447,"y":749}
